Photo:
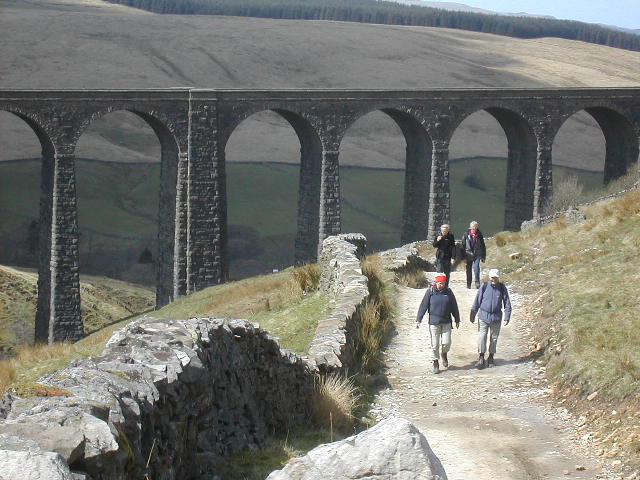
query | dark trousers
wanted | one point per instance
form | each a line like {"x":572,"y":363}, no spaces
{"x":475,"y":265}
{"x":443,"y":265}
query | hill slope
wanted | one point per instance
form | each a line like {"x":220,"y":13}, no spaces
{"x":91,"y":44}
{"x":104,"y":301}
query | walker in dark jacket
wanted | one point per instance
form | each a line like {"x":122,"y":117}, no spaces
{"x":489,"y":302}
{"x":475,"y":252}
{"x":440,"y":303}
{"x":446,"y":251}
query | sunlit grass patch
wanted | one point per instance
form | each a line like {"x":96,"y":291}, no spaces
{"x":593,"y":283}
{"x":258,"y":464}
{"x":295,"y":322}
{"x":275,"y":301}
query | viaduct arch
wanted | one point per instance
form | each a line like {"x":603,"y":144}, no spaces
{"x":193,"y":126}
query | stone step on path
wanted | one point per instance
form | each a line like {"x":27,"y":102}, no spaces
{"x":490,"y":424}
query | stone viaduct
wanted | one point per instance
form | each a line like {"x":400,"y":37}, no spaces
{"x":193,"y":126}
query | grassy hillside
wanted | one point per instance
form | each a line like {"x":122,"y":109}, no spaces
{"x":94,"y":44}
{"x":276,"y":302}
{"x":104,"y":301}
{"x":118,"y":47}
{"x":583,"y":284}
{"x":118,"y":209}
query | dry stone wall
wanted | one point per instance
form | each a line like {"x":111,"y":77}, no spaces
{"x":178,"y":394}
{"x":332,"y":347}
{"x":406,"y":258}
{"x":168,"y":398}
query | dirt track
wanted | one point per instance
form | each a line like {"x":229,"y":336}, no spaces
{"x":491,"y":424}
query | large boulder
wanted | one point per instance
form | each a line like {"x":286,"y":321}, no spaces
{"x":394,"y":449}
{"x":33,"y":466}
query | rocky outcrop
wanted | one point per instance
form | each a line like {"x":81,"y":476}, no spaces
{"x":332,"y":346}
{"x":176,"y":394}
{"x":34,"y":466}
{"x":394,"y":449}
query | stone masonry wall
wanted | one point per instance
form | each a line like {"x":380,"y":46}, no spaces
{"x":177,"y":394}
{"x":167,"y":399}
{"x":332,"y":347}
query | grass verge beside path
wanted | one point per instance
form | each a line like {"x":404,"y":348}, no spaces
{"x":586,"y":283}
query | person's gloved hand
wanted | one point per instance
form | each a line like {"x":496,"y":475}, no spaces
{"x":457,"y":323}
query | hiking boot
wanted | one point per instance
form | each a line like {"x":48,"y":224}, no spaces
{"x":436,"y":367}
{"x":445,"y":361}
{"x":477,"y":284}
{"x":480,"y":362}
{"x":490,"y":361}
{"x":468,"y":285}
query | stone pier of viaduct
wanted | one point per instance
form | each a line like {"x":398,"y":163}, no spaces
{"x":193,"y":126}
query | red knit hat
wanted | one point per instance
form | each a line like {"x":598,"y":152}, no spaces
{"x":441,"y":277}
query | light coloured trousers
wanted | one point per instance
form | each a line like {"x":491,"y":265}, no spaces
{"x":440,"y":339}
{"x":493,"y":329}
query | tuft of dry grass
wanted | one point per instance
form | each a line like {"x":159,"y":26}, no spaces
{"x":567,"y":193}
{"x":308,"y":277}
{"x":372,"y":318}
{"x":411,"y":278}
{"x":335,"y":400}
{"x":373,"y":270}
{"x":7,"y":374}
{"x":31,"y":354}
{"x":26,"y":390}
{"x":628,"y":204}
{"x":372,"y":328}
{"x":500,"y":239}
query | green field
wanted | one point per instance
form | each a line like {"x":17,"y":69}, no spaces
{"x":118,"y":203}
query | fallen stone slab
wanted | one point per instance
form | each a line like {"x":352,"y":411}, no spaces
{"x":394,"y":449}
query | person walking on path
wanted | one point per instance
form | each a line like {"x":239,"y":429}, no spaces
{"x":475,"y":252}
{"x":445,"y":255}
{"x":440,"y":302}
{"x":490,"y":300}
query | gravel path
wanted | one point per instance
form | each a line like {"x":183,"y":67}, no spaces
{"x":490,"y":424}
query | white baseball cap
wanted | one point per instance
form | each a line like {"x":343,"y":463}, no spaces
{"x":494,"y":273}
